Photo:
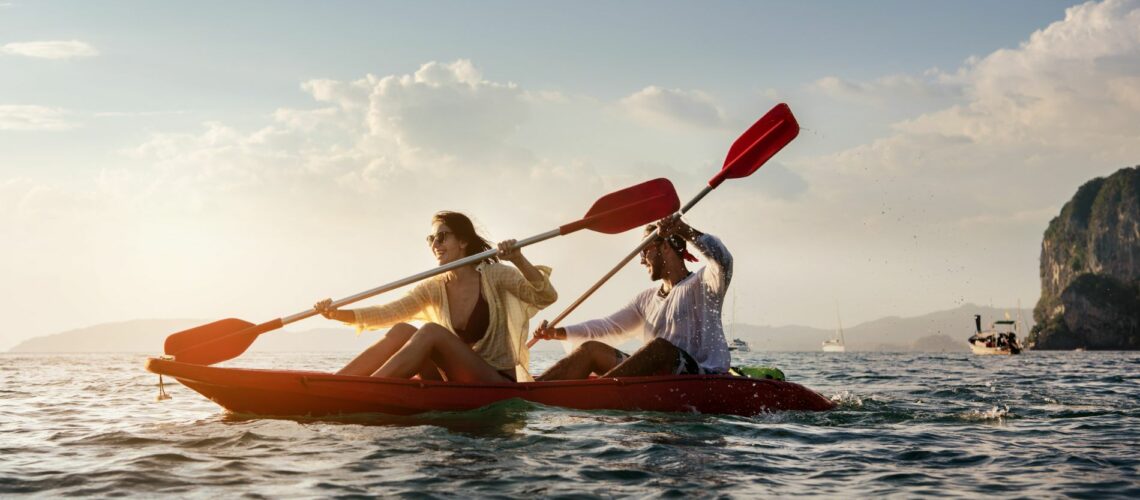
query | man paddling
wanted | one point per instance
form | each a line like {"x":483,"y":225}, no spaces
{"x":679,"y":321}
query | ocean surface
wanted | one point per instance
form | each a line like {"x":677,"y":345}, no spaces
{"x":1035,"y":425}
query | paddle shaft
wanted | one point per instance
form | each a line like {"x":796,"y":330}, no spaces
{"x":613,"y":213}
{"x":637,"y":251}
{"x":748,"y":153}
{"x":466,"y":261}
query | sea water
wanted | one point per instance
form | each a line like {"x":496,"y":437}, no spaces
{"x":1035,"y":425}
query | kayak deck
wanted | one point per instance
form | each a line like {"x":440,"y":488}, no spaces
{"x":286,"y":392}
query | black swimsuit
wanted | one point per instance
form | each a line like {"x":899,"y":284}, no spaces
{"x":477,"y":323}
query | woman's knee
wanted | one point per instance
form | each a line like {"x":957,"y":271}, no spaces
{"x":400,"y":330}
{"x":399,"y":333}
{"x":431,"y":331}
{"x":402,"y":327}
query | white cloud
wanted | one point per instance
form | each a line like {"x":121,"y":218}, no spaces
{"x":1126,"y":91}
{"x":1066,"y":87}
{"x":692,"y":108}
{"x":26,"y":117}
{"x":350,"y":182}
{"x":442,"y":110}
{"x":780,"y":182}
{"x":447,"y":109}
{"x":975,"y":182}
{"x":50,"y":49}
{"x":931,"y":85}
{"x":333,"y":194}
{"x":337,"y":197}
{"x":1068,"y":94}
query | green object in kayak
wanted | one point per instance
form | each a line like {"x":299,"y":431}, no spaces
{"x":766,"y":372}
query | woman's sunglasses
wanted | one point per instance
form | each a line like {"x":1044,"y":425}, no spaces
{"x":437,"y":237}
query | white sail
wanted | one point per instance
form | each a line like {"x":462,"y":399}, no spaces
{"x":837,"y":343}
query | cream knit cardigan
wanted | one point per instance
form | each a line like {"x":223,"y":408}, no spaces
{"x":511,"y":301}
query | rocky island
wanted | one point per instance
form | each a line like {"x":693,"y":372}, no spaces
{"x":1090,"y":269}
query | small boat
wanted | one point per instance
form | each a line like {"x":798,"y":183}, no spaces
{"x":739,"y":345}
{"x":1000,"y":339}
{"x":836,"y":344}
{"x":299,"y":393}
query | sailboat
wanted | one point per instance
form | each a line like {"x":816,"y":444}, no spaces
{"x":836,"y":343}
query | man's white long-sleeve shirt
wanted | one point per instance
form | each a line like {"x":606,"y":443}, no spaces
{"x":689,"y":316}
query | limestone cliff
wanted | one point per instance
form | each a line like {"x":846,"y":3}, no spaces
{"x":1090,"y":269}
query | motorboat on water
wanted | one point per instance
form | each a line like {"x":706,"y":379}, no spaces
{"x":1000,"y":339}
{"x":739,"y":345}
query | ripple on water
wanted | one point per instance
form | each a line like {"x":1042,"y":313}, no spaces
{"x":905,"y":425}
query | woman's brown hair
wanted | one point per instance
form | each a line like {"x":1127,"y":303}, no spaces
{"x":462,"y":228}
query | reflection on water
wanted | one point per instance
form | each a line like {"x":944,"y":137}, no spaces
{"x":501,"y":419}
{"x":1040,"y":424}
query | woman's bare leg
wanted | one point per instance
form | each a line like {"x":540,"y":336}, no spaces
{"x":435,"y":343}
{"x":377,"y":354}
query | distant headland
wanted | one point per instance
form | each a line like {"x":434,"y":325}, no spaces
{"x":943,"y":331}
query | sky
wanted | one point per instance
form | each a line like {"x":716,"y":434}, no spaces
{"x":246,"y":159}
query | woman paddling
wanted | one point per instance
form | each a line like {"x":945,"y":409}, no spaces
{"x":476,"y":316}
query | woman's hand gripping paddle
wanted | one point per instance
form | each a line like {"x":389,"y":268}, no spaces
{"x":613,"y":213}
{"x":751,"y":150}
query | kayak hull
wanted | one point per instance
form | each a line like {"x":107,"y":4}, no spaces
{"x":297,"y":393}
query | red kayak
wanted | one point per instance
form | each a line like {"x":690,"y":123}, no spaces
{"x":284,"y":392}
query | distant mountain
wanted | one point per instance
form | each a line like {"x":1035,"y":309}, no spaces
{"x":943,"y":331}
{"x":140,"y":335}
{"x":148,"y":335}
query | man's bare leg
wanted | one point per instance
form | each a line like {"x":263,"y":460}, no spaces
{"x":590,"y":357}
{"x":658,"y":357}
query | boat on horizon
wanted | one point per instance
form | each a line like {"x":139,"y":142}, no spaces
{"x":1000,"y":339}
{"x":739,"y":345}
{"x":836,"y":343}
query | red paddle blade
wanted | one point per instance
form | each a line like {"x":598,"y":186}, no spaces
{"x":759,"y":143}
{"x":178,"y":342}
{"x":631,"y":207}
{"x":213,"y":342}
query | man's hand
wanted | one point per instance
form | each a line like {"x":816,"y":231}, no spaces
{"x":544,"y":332}
{"x":673,"y":224}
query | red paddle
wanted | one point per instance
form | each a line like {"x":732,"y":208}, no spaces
{"x":751,"y":150}
{"x":613,"y":213}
